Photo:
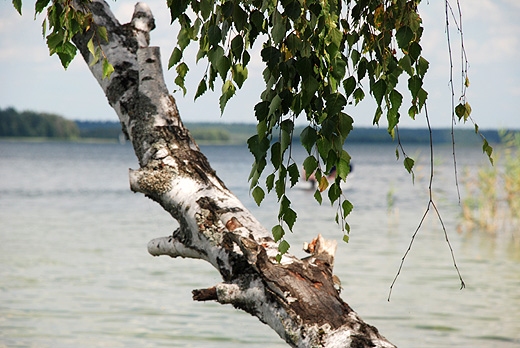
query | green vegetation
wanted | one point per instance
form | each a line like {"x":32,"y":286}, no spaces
{"x":492,"y":202}
{"x":320,"y":57}
{"x":33,"y":124}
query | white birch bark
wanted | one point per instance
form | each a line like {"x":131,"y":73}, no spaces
{"x":296,"y":298}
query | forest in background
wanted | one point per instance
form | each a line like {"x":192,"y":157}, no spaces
{"x":16,"y":124}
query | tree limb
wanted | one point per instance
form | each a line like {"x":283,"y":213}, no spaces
{"x":296,"y":298}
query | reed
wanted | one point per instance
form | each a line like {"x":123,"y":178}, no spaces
{"x":491,"y":200}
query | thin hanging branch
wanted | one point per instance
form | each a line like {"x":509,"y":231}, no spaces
{"x":430,"y":204}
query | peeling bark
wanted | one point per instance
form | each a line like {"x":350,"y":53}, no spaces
{"x":297,"y":298}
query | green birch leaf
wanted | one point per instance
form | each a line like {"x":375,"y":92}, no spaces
{"x":349,"y":85}
{"x":460,"y":110}
{"x":345,"y":125}
{"x":308,"y":138}
{"x":239,"y":17}
{"x":223,"y":65}
{"x":347,"y":208}
{"x":258,"y":195}
{"x":102,"y":32}
{"x":66,"y":52}
{"x":346,"y":237}
{"x":269,"y":182}
{"x":283,"y":247}
{"x":338,"y":68}
{"x":414,"y":51}
{"x":18,"y":6}
{"x":359,"y":95}
{"x":215,"y":54}
{"x":93,"y":52}
{"x":412,"y":111}
{"x":274,"y":105}
{"x":422,"y":66}
{"x":289,"y":217}
{"x":277,"y":232}
{"x":406,"y":64}
{"x":237,"y":46}
{"x":377,"y":115}
{"x":279,"y":187}
{"x":335,"y":103}
{"x":379,"y":90}
{"x":175,"y":57}
{"x":422,"y":96}
{"x":53,"y":40}
{"x":228,"y":90}
{"x":408,"y":164}
{"x":343,"y":168}
{"x":239,"y":73}
{"x":403,"y":36}
{"x":201,"y":89}
{"x":294,"y":174}
{"x":39,"y":6}
{"x":309,"y":166}
{"x":278,"y":31}
{"x":317,"y":196}
{"x":488,"y":150}
{"x":355,"y":55}
{"x":206,"y":7}
{"x":214,"y":35}
{"x":414,"y":85}
{"x":334,"y":193}
{"x":276,"y":154}
{"x":108,"y":69}
{"x":396,"y":99}
{"x":271,"y":56}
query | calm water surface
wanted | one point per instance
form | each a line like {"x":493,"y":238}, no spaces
{"x":75,"y":271}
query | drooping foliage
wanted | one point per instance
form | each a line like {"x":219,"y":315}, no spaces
{"x":320,"y":56}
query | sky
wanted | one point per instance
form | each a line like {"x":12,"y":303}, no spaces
{"x":33,"y":80}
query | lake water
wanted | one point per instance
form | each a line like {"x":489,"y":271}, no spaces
{"x":75,"y":271}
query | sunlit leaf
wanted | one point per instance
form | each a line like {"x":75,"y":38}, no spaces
{"x":102,"y":32}
{"x":323,"y":184}
{"x":228,"y":90}
{"x":108,"y":69}
{"x":239,"y":74}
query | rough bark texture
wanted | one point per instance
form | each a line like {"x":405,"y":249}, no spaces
{"x":296,"y":298}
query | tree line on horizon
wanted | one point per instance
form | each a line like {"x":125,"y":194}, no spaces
{"x":47,"y":125}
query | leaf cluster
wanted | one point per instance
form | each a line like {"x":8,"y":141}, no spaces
{"x":63,"y":20}
{"x":320,"y":57}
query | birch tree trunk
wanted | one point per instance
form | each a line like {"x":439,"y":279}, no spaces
{"x":296,"y":298}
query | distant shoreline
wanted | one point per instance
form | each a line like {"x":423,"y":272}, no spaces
{"x":32,"y":126}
